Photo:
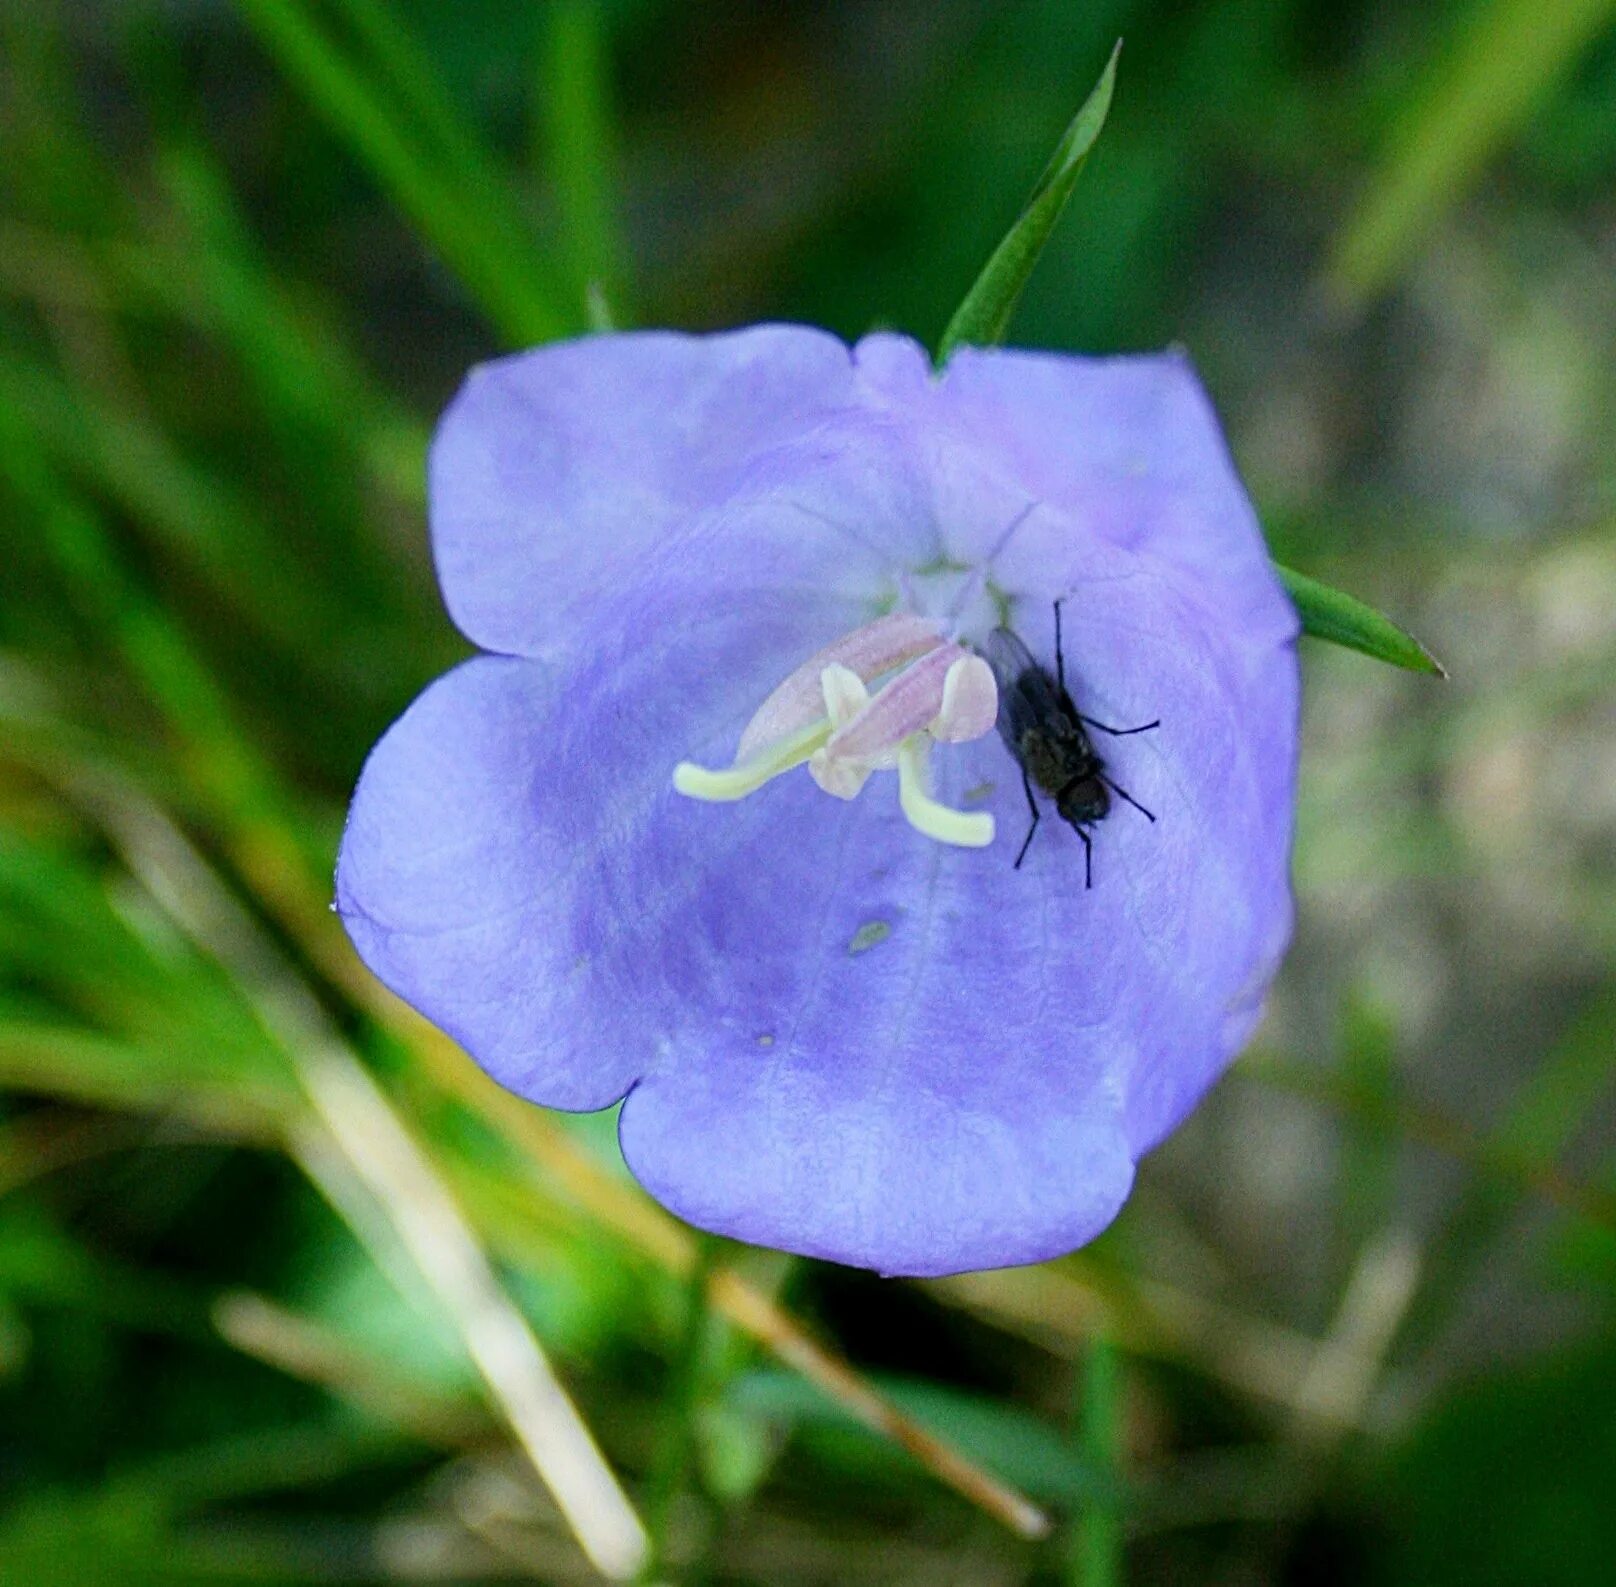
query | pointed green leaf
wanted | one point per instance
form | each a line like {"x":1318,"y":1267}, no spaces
{"x":985,"y":314}
{"x":1345,"y":620}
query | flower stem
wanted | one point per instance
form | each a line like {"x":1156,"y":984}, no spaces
{"x":1096,"y":1556}
{"x":676,"y":1453}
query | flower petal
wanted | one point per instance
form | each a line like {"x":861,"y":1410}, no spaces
{"x":882,"y":1159}
{"x":442,"y":881}
{"x":837,"y":1037}
{"x":564,"y":472}
{"x":1129,"y":448}
{"x":503,"y":867}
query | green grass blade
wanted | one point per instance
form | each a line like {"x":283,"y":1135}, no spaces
{"x":80,"y":1067}
{"x":1367,"y":1160}
{"x":301,"y":366}
{"x":205,"y":519}
{"x":511,"y":283}
{"x":1507,"y":56}
{"x":984,"y":316}
{"x":1096,"y":1558}
{"x":1549,"y":1110}
{"x":1343,"y":619}
{"x":675,"y":1463}
{"x":1007,"y":1439}
{"x":452,"y":143}
{"x":579,"y":152}
{"x":222,"y":761}
{"x":408,"y":69}
{"x":1507,"y":1169}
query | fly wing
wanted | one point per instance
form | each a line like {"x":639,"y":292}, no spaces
{"x":1028,"y":696}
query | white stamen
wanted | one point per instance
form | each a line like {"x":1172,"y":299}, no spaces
{"x":747,"y":776}
{"x":825,"y":714}
{"x":839,"y":777}
{"x":843,"y":692}
{"x":845,"y":696}
{"x":961,"y":829}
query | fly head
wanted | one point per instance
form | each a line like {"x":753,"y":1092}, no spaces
{"x":1083,"y":800}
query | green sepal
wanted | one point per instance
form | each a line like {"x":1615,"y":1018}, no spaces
{"x":1343,"y":619}
{"x":984,"y":316}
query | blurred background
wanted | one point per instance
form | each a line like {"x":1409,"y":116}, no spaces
{"x":283,"y":1279}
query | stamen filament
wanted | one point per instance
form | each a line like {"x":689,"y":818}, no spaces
{"x":747,"y":776}
{"x":963,"y":829}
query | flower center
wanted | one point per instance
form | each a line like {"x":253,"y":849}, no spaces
{"x":929,"y":690}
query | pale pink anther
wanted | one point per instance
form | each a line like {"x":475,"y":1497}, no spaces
{"x":869,"y":651}
{"x":909,"y":704}
{"x":970,"y":702}
{"x":948,"y":694}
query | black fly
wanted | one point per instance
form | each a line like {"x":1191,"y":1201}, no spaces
{"x":1046,"y":733}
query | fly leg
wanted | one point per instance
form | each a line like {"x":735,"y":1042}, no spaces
{"x":1088,"y":858}
{"x":1117,"y":732}
{"x":1060,"y":657}
{"x":1118,"y":789}
{"x":1060,"y":678}
{"x":1032,"y":805}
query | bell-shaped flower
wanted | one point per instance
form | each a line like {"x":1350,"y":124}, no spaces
{"x":718,"y":822}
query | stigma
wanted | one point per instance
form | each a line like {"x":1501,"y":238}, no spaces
{"x":878,"y":699}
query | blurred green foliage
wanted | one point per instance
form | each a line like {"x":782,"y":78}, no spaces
{"x":1357,"y":1324}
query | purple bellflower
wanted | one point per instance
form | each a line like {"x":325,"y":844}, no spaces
{"x":718,"y":822}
